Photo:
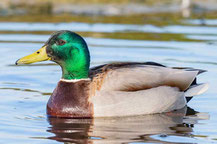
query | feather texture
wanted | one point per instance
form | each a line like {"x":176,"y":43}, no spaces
{"x":154,"y":100}
{"x":139,"y":77}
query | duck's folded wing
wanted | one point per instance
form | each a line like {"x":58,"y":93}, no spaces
{"x":133,"y":77}
{"x":154,"y":100}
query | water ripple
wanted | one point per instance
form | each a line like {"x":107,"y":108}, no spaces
{"x":108,"y":28}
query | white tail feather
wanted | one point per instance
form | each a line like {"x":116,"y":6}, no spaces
{"x":196,"y":90}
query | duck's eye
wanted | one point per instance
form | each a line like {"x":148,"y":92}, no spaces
{"x":60,"y":42}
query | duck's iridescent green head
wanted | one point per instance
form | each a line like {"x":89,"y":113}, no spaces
{"x":67,"y":49}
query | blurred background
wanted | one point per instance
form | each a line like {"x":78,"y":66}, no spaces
{"x":176,"y":33}
{"x":105,"y":7}
{"x":157,"y":13}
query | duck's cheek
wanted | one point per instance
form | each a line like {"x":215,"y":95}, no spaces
{"x":52,"y":54}
{"x":57,"y":57}
{"x":49,"y":51}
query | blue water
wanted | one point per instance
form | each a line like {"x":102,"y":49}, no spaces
{"x":24,"y":90}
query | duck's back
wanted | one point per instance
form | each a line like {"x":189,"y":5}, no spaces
{"x":140,"y":76}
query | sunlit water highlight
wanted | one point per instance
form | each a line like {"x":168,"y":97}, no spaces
{"x":24,"y":90}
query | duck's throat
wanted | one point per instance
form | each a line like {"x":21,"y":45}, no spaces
{"x":75,"y":74}
{"x":74,"y":71}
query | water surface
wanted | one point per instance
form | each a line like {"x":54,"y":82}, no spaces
{"x":24,"y":90}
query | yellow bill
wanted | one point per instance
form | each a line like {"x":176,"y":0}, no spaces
{"x":39,"y":55}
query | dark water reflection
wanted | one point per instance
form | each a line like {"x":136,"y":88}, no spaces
{"x":123,"y":129}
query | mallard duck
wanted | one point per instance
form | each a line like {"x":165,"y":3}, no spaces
{"x":115,"y":89}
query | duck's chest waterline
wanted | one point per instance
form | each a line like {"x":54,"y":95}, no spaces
{"x":71,"y":99}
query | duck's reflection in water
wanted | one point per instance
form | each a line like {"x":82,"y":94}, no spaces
{"x":122,"y":129}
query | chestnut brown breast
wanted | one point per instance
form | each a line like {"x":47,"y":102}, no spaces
{"x":70,"y":99}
